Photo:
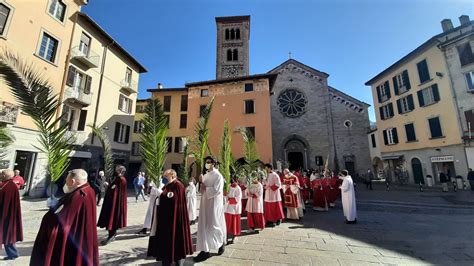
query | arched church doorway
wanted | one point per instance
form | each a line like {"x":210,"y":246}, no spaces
{"x":295,"y":160}
{"x":417,"y":171}
{"x":296,"y":153}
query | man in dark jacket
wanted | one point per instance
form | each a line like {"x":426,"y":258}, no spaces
{"x":470,"y":177}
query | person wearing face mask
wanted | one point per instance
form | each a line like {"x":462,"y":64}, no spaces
{"x":348,"y":198}
{"x":68,"y":235}
{"x":113,"y":215}
{"x":211,"y":233}
{"x":170,"y":234}
{"x":11,"y":229}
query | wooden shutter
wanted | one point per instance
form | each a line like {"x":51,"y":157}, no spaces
{"x":390,"y":109}
{"x":435,"y":91}
{"x":120,"y":104}
{"x":379,"y":94}
{"x":127,"y":134}
{"x":399,"y":106}
{"x":117,"y":131}
{"x":411,"y":104}
{"x":381,"y":113}
{"x":82,"y":120}
{"x":387,"y":89}
{"x":395,"y":135}
{"x":435,"y":127}
{"x":87,"y":87}
{"x":372,"y":138}
{"x":129,"y":108}
{"x":395,"y":85}
{"x":385,"y":137}
{"x":177,"y":142}
{"x":469,"y":119}
{"x":71,"y":75}
{"x":410,"y":131}
{"x":406,"y":79}
{"x":421,"y":100}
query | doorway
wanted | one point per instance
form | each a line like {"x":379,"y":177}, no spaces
{"x":295,"y":160}
{"x":25,"y":162}
{"x":417,"y":171}
{"x":350,"y":167}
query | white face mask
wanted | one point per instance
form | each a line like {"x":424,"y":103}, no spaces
{"x":341,"y":177}
{"x":66,"y":189}
{"x":208,"y":166}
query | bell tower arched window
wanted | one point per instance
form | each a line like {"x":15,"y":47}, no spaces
{"x":227,"y":34}
{"x":237,"y":34}
{"x":235,"y":55}
{"x":232,"y":34}
{"x":229,"y":55}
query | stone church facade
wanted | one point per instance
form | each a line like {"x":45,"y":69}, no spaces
{"x":311,"y":121}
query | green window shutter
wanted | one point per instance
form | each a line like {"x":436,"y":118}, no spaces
{"x":421,"y":101}
{"x":435,"y":90}
{"x":399,"y":106}
{"x":395,"y":85}
{"x":406,"y":79}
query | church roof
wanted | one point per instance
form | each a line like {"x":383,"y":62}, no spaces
{"x":232,"y":19}
{"x":271,"y":77}
{"x":326,"y":75}
{"x":340,"y":93}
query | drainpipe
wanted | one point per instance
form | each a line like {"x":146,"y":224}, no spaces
{"x":102,"y":70}
{"x":66,"y":67}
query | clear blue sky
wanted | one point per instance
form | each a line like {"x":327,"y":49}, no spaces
{"x":350,"y":40}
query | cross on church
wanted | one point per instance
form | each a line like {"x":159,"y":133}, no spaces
{"x":289,"y":55}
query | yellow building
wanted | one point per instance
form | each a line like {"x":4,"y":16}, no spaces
{"x":92,"y":74}
{"x":419,"y":133}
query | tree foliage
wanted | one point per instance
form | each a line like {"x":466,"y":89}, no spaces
{"x":200,"y":142}
{"x":251,"y":158}
{"x":5,"y":140}
{"x":108,"y":155}
{"x":154,"y":144}
{"x":36,"y":97}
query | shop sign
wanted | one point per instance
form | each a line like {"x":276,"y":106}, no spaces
{"x":442,"y":159}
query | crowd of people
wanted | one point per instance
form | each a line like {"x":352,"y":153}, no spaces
{"x":68,"y":231}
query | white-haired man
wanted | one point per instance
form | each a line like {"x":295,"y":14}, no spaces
{"x":67,"y":234}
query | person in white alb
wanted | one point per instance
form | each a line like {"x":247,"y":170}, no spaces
{"x":272,"y":203}
{"x":233,"y":209}
{"x":191,"y":199}
{"x":155,"y":193}
{"x":348,"y":198}
{"x":254,"y":206}
{"x":211,"y":233}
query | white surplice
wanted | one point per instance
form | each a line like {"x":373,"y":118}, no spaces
{"x":348,"y":198}
{"x":154,"y":195}
{"x":234,"y":192}
{"x":255,"y":205}
{"x":212,"y":232}
{"x":270,"y":194}
{"x":191,"y":201}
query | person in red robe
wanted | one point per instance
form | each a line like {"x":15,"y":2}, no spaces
{"x":291,"y":188}
{"x":18,"y":179}
{"x":113,"y":215}
{"x":11,"y":229}
{"x":170,"y":236}
{"x":305,"y":191}
{"x":319,"y":196}
{"x":334,"y":191}
{"x":243,"y":187}
{"x":67,"y":234}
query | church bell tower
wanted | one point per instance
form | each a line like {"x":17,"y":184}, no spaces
{"x":233,"y":35}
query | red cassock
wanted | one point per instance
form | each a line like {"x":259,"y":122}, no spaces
{"x":319,"y":197}
{"x":306,"y":191}
{"x":291,"y":199}
{"x":170,"y":238}
{"x":113,"y":215}
{"x":11,"y":229}
{"x":68,"y":235}
{"x":244,"y":201}
{"x":334,"y":190}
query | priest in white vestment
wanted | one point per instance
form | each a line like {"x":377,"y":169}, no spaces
{"x":191,"y":201}
{"x":155,"y":193}
{"x":211,"y":233}
{"x":348,"y":198}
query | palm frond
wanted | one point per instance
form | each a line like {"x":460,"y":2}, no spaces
{"x":225,"y":155}
{"x":154,"y":144}
{"x":252,"y":159}
{"x":106,"y":145}
{"x":183,"y":168}
{"x":35,"y":96}
{"x":5,"y":140}
{"x":200,"y":144}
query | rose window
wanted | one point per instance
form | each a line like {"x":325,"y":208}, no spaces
{"x":292,"y":103}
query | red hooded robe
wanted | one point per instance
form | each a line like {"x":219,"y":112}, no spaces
{"x":11,"y":229}
{"x":113,"y":215}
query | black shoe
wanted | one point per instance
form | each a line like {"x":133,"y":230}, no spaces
{"x":202,"y":256}
{"x":9,"y":258}
{"x":278,"y":222}
{"x":270,"y":225}
{"x":221,"y":250}
{"x":108,"y":240}
{"x":142,"y":232}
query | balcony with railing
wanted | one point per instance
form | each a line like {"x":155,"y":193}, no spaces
{"x":76,"y":137}
{"x":129,"y":85}
{"x":77,"y":95}
{"x":85,"y":56}
{"x":8,"y":113}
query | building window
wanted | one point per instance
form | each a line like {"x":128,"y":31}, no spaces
{"x":465,"y":54}
{"x":84,"y":44}
{"x":470,"y":81}
{"x":184,"y":103}
{"x":235,"y":55}
{"x":251,"y":130}
{"x":383,"y":92}
{"x":122,"y":133}
{"x":183,"y":121}
{"x":78,"y":80}
{"x":204,"y":92}
{"x":372,"y":138}
{"x":82,"y":120}
{"x":229,"y":55}
{"x":248,"y":87}
{"x":249,"y":107}
{"x":405,"y":105}
{"x":232,"y":34}
{"x":57,"y":9}
{"x":390,"y":136}
{"x":138,"y":127}
{"x":386,"y":111}
{"x":428,"y":96}
{"x":410,"y":132}
{"x":401,"y":83}
{"x":167,"y":104}
{"x":167,"y":118}
{"x":423,"y":72}
{"x":227,"y":34}
{"x":140,"y":108}
{"x":179,"y":144}
{"x":4,"y":15}
{"x":237,"y":34}
{"x":49,"y":48}
{"x":201,"y":110}
{"x":136,"y":148}
{"x":435,"y":127}
{"x":169,"y":141}
{"x":125,"y":104}
{"x":469,"y":120}
{"x":128,"y":76}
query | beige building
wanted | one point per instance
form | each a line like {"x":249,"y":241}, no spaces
{"x":419,"y":131}
{"x":95,"y":78}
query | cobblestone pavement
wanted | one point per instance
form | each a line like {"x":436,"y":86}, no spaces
{"x":395,"y":227}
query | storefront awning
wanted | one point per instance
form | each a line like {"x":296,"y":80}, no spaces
{"x":391,"y":157}
{"x":80,"y":154}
